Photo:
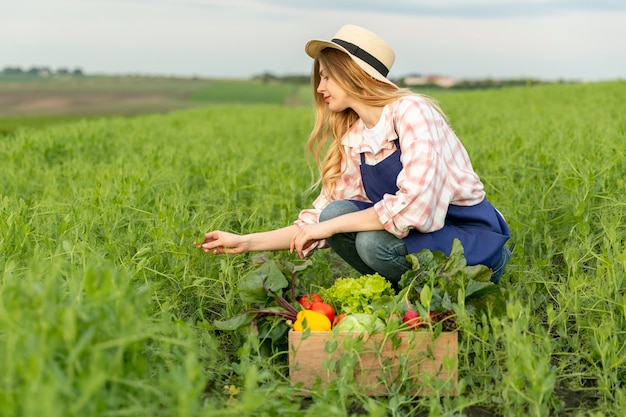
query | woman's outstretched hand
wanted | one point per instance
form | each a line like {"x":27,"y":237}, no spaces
{"x":222,"y":242}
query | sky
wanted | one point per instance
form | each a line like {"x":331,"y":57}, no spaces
{"x":546,"y":39}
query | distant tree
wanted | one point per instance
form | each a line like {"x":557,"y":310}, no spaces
{"x":41,"y":71}
{"x":399,"y":82}
{"x":12,"y":70}
{"x":296,"y":79}
{"x":265,"y":77}
{"x":38,"y":71}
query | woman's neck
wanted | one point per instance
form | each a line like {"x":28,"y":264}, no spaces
{"x":370,"y":115}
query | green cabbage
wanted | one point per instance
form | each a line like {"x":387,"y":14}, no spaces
{"x":357,"y":295}
{"x":360,"y":322}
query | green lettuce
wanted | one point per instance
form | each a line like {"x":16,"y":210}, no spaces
{"x":358,"y":295}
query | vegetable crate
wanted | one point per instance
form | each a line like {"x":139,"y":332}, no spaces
{"x":416,"y":360}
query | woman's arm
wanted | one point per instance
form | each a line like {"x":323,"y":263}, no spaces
{"x":295,"y":238}
{"x":436,"y":171}
{"x":224,"y":242}
{"x":358,"y":221}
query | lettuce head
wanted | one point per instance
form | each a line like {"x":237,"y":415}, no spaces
{"x":357,"y":295}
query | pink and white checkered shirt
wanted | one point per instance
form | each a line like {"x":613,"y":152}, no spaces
{"x":436,"y":170}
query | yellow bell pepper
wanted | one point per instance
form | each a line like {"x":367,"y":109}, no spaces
{"x":315,"y":321}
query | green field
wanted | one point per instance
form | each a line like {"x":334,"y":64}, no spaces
{"x":35,"y":101}
{"x":107,"y":309}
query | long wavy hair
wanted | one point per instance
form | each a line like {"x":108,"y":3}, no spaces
{"x":330,"y":127}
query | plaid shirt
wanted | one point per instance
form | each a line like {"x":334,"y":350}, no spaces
{"x":436,"y":170}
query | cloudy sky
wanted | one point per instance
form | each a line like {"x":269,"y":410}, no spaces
{"x":550,"y":39}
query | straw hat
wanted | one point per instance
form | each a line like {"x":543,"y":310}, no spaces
{"x":366,"y":48}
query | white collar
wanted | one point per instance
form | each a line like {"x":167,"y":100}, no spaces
{"x":354,"y":137}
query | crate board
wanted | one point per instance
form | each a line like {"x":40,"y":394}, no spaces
{"x":377,"y":362}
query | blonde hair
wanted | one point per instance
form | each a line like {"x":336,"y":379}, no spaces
{"x":334,"y":125}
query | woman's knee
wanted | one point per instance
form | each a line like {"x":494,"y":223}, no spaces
{"x":383,"y":252}
{"x":336,"y":209}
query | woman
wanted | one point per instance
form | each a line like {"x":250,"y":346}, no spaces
{"x":395,"y":179}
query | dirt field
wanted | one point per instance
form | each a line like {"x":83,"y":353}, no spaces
{"x":96,"y":95}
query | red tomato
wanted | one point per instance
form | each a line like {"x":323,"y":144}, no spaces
{"x":324,"y":308}
{"x":338,"y":318}
{"x":307,"y":300}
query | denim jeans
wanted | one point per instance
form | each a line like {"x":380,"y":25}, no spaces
{"x":367,"y":252}
{"x":379,"y":251}
{"x":499,"y":270}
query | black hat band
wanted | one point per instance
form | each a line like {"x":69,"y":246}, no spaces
{"x":363,"y":55}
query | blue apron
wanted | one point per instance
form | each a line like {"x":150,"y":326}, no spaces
{"x":480,"y":228}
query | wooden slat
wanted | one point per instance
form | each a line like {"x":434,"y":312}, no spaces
{"x":377,"y":361}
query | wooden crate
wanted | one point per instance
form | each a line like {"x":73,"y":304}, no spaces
{"x":377,"y":363}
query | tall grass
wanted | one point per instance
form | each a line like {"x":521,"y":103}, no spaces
{"x":106,"y":308}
